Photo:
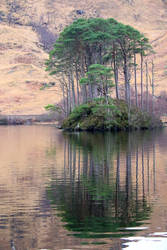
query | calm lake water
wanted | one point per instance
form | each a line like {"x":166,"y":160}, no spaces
{"x":82,"y":190}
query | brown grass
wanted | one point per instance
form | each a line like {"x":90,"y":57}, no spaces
{"x":22,"y":55}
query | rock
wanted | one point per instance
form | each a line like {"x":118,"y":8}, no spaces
{"x":80,"y":12}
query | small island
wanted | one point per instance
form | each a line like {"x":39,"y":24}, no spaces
{"x":105,"y":73}
{"x":97,"y":116}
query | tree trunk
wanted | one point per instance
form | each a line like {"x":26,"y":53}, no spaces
{"x":147,"y":93}
{"x":116,"y":78}
{"x":65,"y":98}
{"x":83,"y":87}
{"x":135,"y":80}
{"x":126,"y":79}
{"x":153,"y":87}
{"x":77,"y":80}
{"x":69,"y":95}
{"x":73,"y":87}
{"x":141,"y":84}
{"x":64,"y":103}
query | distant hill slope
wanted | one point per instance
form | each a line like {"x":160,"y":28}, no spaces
{"x":29,"y":28}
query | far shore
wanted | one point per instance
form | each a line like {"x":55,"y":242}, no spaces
{"x":46,"y":118}
{"x":42,"y":119}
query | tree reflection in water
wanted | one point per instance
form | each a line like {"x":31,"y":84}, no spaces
{"x":103,"y":188}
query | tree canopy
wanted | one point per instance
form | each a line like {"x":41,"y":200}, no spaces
{"x":86,"y":53}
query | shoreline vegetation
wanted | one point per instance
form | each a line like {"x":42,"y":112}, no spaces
{"x":97,"y":116}
{"x":96,"y":59}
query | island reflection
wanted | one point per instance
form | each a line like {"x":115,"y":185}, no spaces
{"x":106,"y":183}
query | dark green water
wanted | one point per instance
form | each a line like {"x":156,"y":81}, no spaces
{"x":81,"y":190}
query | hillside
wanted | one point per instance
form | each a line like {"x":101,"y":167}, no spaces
{"x":29,"y":28}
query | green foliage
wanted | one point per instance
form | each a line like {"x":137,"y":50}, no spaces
{"x":53,"y":108}
{"x":97,"y":115}
{"x":97,"y":75}
{"x":90,"y":52}
{"x":94,"y":38}
{"x":89,"y":44}
{"x":84,"y":80}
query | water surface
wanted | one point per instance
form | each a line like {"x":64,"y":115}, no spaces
{"x":82,"y":190}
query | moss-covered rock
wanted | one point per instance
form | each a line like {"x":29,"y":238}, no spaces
{"x":115,"y":115}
